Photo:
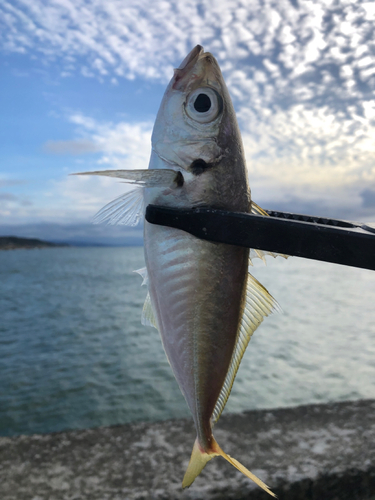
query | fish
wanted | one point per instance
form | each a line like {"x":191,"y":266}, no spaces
{"x":201,"y":296}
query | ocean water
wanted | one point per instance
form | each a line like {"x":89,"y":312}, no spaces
{"x":73,"y":353}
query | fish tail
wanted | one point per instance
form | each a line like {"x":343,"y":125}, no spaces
{"x":199,"y":458}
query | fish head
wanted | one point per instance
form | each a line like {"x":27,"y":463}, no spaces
{"x":196,"y":119}
{"x":196,"y":133}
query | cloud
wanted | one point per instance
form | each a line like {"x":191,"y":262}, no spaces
{"x":326,"y":156}
{"x":121,"y":145}
{"x":75,"y":147}
{"x":312,"y":151}
{"x":302,"y":77}
{"x":128,"y":143}
{"x":79,"y":198}
{"x":67,"y":200}
{"x":289,"y":152}
{"x":368,"y":198}
{"x":10,"y":203}
{"x":273,"y":53}
{"x":11,"y":182}
{"x":73,"y":199}
{"x":146,"y":38}
{"x":5,"y":197}
{"x":310,"y":147}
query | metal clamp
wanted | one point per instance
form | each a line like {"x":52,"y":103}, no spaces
{"x":314,"y":238}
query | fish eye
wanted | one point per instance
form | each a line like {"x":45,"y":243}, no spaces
{"x":204,"y":105}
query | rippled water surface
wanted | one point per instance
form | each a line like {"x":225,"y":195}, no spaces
{"x":74,"y":354}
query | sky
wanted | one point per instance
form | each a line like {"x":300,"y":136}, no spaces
{"x":81,"y":82}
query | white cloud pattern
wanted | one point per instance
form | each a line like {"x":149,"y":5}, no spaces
{"x":302,"y":76}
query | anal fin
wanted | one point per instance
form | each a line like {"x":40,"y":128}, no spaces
{"x":259,"y":303}
{"x":148,"y":315}
{"x":144,"y":275}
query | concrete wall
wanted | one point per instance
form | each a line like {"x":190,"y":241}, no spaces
{"x":315,"y":452}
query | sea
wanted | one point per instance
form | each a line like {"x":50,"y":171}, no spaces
{"x":73,"y":352}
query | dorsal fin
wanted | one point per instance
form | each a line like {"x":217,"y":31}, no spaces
{"x":258,"y":304}
{"x":257,"y":210}
{"x":261,"y":254}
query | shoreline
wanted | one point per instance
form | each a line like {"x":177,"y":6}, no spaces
{"x":310,"y":452}
{"x":8,"y":243}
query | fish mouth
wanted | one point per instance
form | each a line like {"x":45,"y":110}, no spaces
{"x":198,"y":68}
{"x":191,"y":58}
{"x":182,"y":73}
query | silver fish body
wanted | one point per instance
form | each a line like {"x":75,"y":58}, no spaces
{"x":197,"y":287}
{"x":201,"y":297}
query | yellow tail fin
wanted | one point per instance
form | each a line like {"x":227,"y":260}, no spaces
{"x":199,"y":458}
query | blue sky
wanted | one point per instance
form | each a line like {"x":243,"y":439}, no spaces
{"x":81,"y":82}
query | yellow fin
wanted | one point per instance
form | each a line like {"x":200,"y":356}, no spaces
{"x":258,"y":304}
{"x":244,"y":470}
{"x":198,"y":461}
{"x":262,"y":253}
{"x":259,"y":253}
{"x":148,"y":315}
{"x":199,"y":458}
{"x":257,"y":210}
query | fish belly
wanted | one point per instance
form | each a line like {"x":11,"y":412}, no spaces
{"x":197,"y":291}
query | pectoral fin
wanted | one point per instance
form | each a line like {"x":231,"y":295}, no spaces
{"x":146,"y":178}
{"x":125,"y":210}
{"x":128,"y":208}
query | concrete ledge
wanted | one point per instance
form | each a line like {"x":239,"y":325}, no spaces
{"x":314,"y":452}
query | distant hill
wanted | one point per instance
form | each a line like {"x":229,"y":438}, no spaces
{"x":14,"y":243}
